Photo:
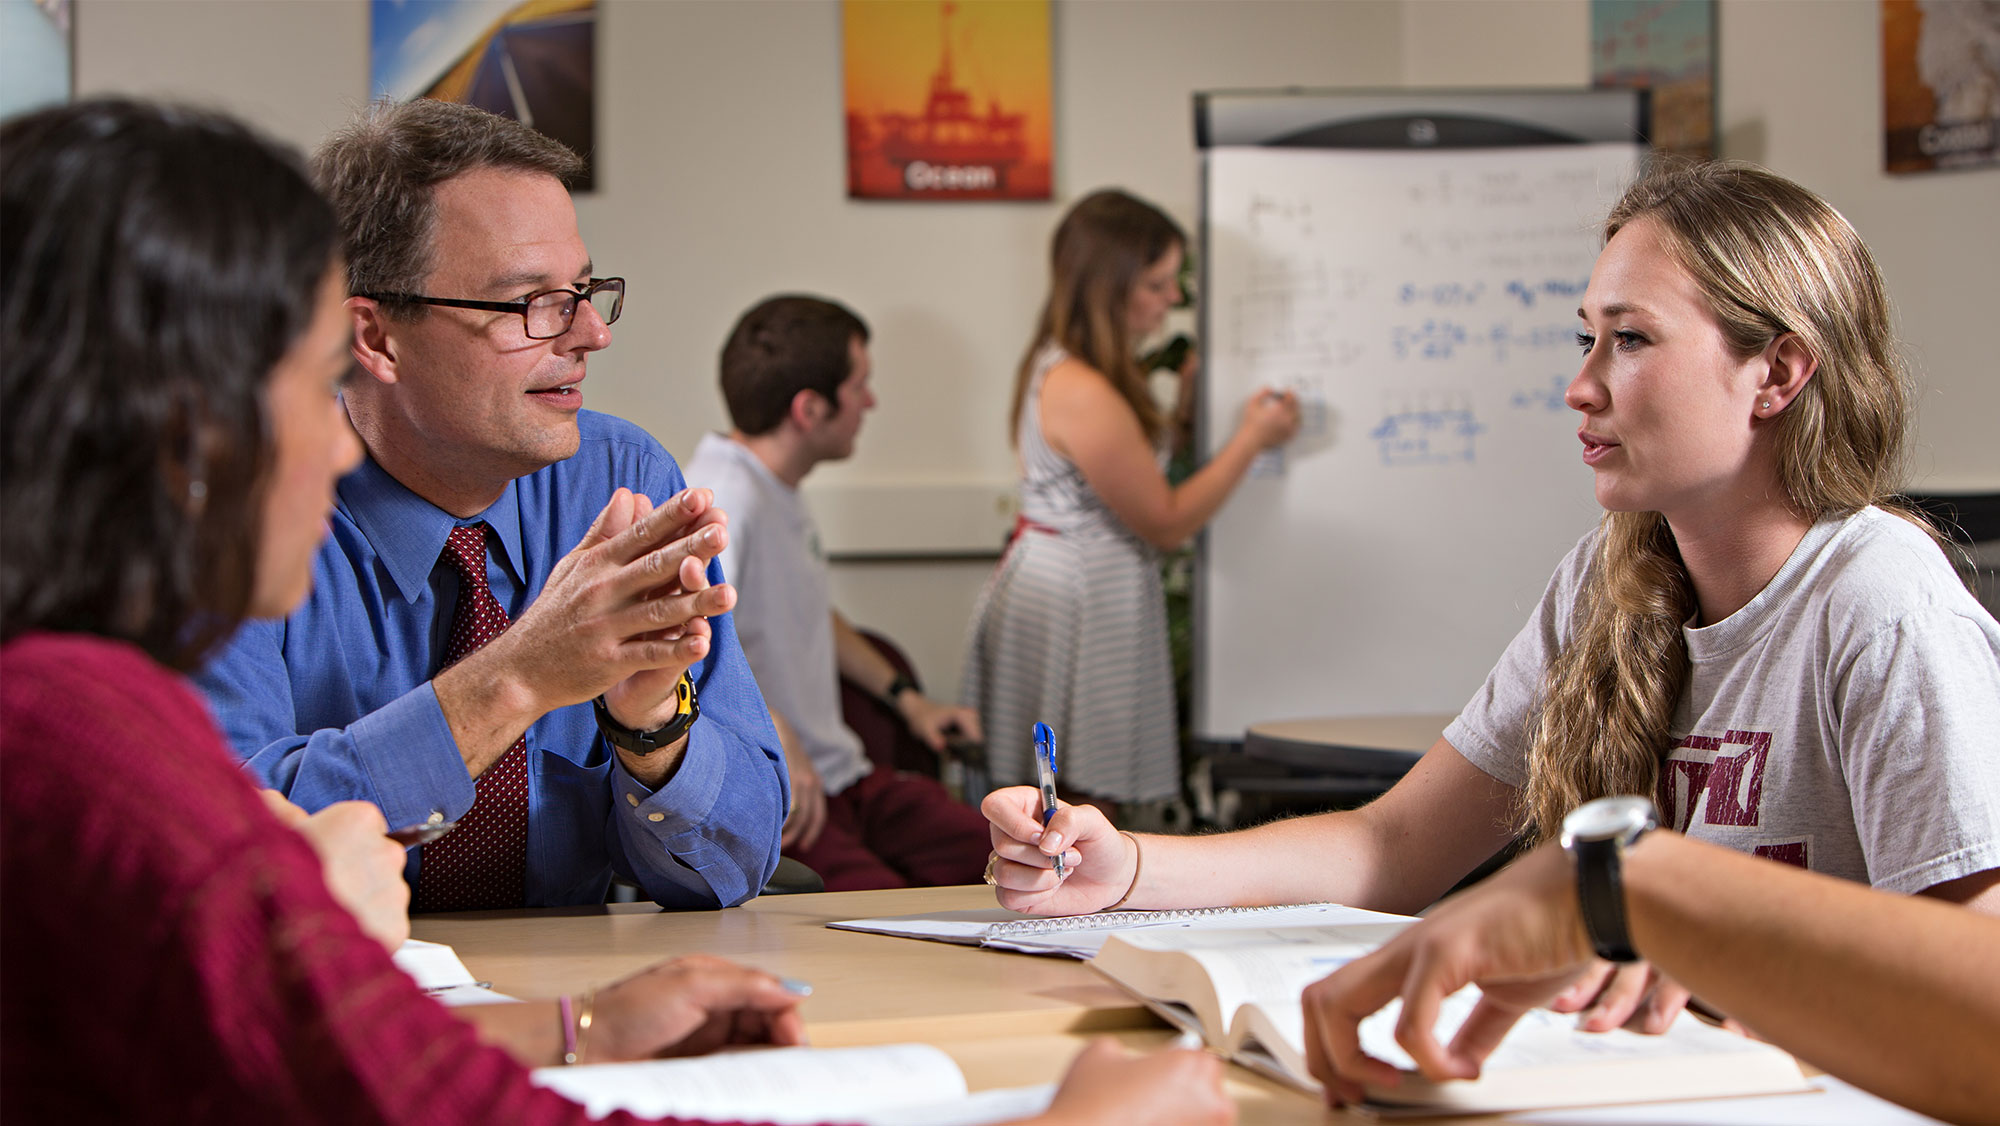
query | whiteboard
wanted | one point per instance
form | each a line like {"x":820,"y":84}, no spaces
{"x":1423,"y":304}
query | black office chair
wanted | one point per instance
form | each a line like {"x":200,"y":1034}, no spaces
{"x":889,"y":744}
{"x":790,"y":878}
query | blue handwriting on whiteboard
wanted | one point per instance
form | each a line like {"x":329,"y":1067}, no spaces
{"x":1505,"y":338}
{"x":1440,"y":293}
{"x":1562,"y":289}
{"x":1432,"y":340}
{"x":1439,"y":437}
{"x":1436,"y":339}
{"x":1548,"y":398}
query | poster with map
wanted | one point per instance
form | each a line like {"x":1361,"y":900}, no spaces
{"x":1940,"y":84}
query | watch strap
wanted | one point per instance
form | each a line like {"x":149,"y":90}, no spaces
{"x":665,"y":735}
{"x":901,"y":684}
{"x":1600,"y":890}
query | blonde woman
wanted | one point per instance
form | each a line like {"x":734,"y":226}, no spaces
{"x":1071,"y":629}
{"x":1756,"y":634}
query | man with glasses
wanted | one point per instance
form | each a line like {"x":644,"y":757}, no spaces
{"x":517,"y":624}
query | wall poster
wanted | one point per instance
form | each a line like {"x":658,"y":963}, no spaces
{"x":1940,"y":84}
{"x":1667,"y":46}
{"x":37,"y":40}
{"x":948,"y":99}
{"x":532,"y":60}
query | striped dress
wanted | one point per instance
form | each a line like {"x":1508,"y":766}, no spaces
{"x":1071,"y":631}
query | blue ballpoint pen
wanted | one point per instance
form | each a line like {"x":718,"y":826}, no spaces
{"x":1045,"y":776}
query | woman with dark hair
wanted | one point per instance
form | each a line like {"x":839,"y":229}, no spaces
{"x":1071,"y":629}
{"x":1757,"y":635}
{"x":174,"y":335}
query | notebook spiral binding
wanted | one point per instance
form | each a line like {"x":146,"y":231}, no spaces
{"x":1105,"y":919}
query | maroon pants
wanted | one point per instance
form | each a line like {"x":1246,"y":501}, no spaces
{"x":892,"y":830}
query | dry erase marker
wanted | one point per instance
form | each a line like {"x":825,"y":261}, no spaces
{"x":1045,"y":775}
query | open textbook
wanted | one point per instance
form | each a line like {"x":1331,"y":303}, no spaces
{"x":1239,"y":991}
{"x":890,"y":1085}
{"x":1080,"y":936}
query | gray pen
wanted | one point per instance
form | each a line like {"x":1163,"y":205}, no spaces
{"x":423,"y":832}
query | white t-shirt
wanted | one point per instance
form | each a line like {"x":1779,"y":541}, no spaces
{"x":783,"y":609}
{"x":1846,"y":720}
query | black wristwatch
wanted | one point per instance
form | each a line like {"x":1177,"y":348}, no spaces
{"x":896,"y":688}
{"x":665,"y":735}
{"x":1596,"y":836}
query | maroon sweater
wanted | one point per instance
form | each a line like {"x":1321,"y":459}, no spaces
{"x":169,"y":952}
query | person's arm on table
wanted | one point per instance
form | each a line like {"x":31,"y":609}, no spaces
{"x":687,"y":1006}
{"x":927,"y":719}
{"x":1898,"y":995}
{"x":1399,"y":853}
{"x":709,"y":837}
{"x":401,"y":757}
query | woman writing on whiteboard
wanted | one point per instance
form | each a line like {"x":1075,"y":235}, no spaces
{"x":171,"y":443}
{"x":1071,"y":628}
{"x":1755,"y":634}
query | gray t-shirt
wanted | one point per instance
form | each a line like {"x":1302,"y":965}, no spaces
{"x":784,"y":611}
{"x":1846,"y":720}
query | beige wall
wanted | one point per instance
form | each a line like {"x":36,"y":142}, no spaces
{"x":722,"y":180}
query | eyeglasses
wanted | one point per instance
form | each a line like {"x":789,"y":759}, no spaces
{"x":545,"y":315}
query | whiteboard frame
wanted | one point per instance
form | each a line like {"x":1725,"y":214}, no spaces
{"x":1393,"y":120}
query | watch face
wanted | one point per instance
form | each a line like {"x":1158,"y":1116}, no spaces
{"x":1607,"y":819}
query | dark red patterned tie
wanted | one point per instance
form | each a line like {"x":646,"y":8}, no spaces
{"x":484,"y":862}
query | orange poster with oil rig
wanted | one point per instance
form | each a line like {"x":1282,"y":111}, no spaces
{"x":948,"y":99}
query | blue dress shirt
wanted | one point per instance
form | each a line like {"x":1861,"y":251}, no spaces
{"x":335,"y":702}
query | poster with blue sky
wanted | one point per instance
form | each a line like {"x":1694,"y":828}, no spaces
{"x":531,"y":60}
{"x":1667,"y":46}
{"x":34,"y":54}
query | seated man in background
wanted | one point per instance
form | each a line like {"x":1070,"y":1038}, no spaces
{"x":513,"y":602}
{"x":795,"y":377}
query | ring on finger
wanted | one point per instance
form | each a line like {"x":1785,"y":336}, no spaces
{"x":992,"y":858}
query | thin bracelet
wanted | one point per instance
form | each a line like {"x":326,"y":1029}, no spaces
{"x":583,"y":1021}
{"x":569,"y":1031}
{"x":1137,"y":856}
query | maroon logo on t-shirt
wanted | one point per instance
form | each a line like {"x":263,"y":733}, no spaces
{"x":1724,"y":790}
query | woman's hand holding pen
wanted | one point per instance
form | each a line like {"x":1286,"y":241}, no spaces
{"x":1098,"y":861}
{"x":363,"y":868}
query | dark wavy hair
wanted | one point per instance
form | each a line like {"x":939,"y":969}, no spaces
{"x":156,"y":262}
{"x":782,"y":346}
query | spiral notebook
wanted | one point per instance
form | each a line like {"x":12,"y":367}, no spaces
{"x":1080,"y":936}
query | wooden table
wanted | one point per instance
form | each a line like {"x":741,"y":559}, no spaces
{"x":1007,"y":1019}
{"x":867,"y":989}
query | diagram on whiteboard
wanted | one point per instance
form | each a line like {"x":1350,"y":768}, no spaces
{"x":1439,"y":433}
